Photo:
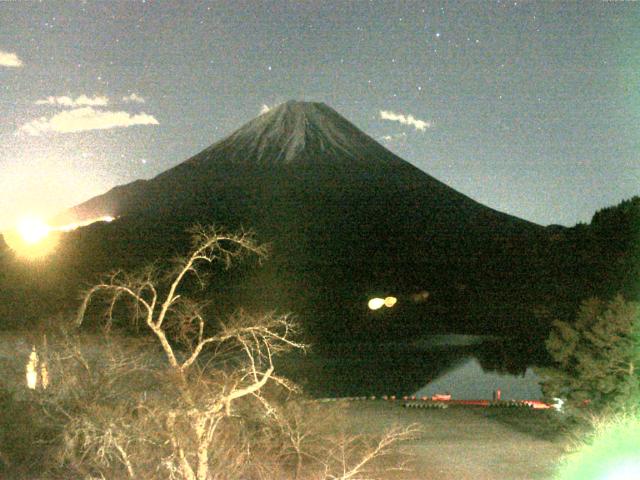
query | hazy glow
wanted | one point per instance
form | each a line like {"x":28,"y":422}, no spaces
{"x":624,"y":471}
{"x":375,"y":303}
{"x":420,"y":297}
{"x":33,"y":238}
{"x":72,"y":226}
{"x":612,"y":453}
{"x":390,"y":301}
{"x":32,"y":229}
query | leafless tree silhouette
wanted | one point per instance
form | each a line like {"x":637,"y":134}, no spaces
{"x":216,"y":409}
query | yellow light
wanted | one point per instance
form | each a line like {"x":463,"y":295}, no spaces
{"x":32,"y":372}
{"x":375,"y":303}
{"x":44,"y":375}
{"x":32,"y":229}
{"x":390,"y":301}
{"x":72,"y":226}
{"x":32,"y":238}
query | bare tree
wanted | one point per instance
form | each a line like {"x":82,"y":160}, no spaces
{"x":323,"y":450}
{"x":353,"y":457}
{"x":211,"y":409}
{"x":203,"y":400}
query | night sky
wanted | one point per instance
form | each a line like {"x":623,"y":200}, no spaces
{"x":531,"y":108}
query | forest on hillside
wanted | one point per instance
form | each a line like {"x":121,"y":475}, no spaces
{"x":598,"y":259}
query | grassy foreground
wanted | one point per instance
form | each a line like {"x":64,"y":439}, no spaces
{"x":465,"y":443}
{"x":456,"y":443}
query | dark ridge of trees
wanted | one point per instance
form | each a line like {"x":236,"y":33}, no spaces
{"x":602,"y":258}
{"x":514,"y":284}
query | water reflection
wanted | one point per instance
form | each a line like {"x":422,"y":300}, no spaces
{"x":465,"y":365}
{"x":468,"y":381}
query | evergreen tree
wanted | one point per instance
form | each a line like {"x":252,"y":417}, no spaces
{"x":596,"y":358}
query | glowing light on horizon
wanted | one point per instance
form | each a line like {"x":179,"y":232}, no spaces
{"x":72,"y":226}
{"x":33,"y":229}
{"x":33,"y":238}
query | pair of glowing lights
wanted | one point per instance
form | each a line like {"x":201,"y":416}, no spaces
{"x":377,"y":303}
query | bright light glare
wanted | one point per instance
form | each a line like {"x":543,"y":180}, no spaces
{"x":33,"y":229}
{"x":611,"y":454}
{"x":376,"y":303}
{"x":34,"y":239}
{"x":31,"y":239}
{"x":72,"y":226}
{"x":32,"y":373}
{"x":624,"y":471}
{"x":558,"y":404}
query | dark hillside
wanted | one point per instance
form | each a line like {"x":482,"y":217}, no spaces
{"x":346,"y":220}
{"x":602,"y":258}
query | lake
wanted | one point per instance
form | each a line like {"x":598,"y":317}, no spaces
{"x":467,"y":366}
{"x":468,"y":381}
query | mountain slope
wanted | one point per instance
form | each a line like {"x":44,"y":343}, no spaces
{"x":298,"y":139}
{"x":346,"y":218}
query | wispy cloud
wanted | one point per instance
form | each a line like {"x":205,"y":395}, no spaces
{"x":396,"y":137}
{"x":83,"y":119}
{"x":421,"y":125}
{"x":133,"y":98}
{"x":264,"y":109}
{"x":80,"y":101}
{"x":9,"y":59}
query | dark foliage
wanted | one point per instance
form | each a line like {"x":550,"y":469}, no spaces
{"x":346,"y":220}
{"x":596,"y":358}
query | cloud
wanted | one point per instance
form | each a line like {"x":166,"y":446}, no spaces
{"x":83,"y":119}
{"x":80,"y":101}
{"x":405,"y":120}
{"x":9,"y":60}
{"x":264,"y":109}
{"x":133,"y":98}
{"x":395,"y":137}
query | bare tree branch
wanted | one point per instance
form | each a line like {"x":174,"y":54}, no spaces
{"x":382,"y":448}
{"x":175,"y":320}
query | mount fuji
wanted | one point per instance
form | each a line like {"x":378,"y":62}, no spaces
{"x":346,"y":220}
